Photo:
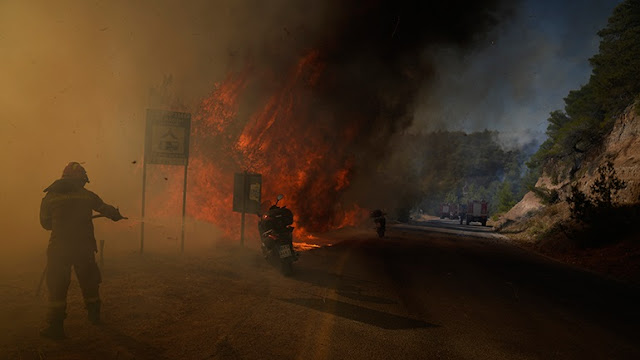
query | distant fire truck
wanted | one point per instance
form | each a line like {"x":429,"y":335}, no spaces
{"x":476,"y":211}
{"x":444,"y":210}
{"x":448,"y":211}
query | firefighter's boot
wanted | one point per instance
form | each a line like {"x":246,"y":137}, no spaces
{"x":93,"y":312}
{"x":54,"y":329}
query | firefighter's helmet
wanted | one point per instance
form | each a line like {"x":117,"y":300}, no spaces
{"x":74,"y":170}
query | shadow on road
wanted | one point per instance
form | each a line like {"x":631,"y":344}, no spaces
{"x":357,"y":295}
{"x":344,"y":285}
{"x":358,"y":313}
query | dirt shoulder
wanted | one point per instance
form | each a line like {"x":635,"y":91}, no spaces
{"x":542,"y":233}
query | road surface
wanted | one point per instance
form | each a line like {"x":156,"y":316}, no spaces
{"x":434,"y":290}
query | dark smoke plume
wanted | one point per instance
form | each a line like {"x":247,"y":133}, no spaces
{"x":373,"y":59}
{"x":376,"y":58}
{"x":375,"y":51}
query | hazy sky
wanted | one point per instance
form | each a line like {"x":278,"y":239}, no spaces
{"x":75,"y":78}
{"x":528,"y":64}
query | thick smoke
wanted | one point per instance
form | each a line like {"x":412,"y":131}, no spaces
{"x":357,"y":74}
{"x":520,"y":73}
{"x":375,"y":58}
{"x":76,"y":80}
{"x":77,"y":77}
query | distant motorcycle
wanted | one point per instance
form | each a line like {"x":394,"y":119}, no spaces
{"x":276,"y":236}
{"x":380,"y":221}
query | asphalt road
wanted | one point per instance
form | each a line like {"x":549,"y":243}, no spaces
{"x":429,"y":291}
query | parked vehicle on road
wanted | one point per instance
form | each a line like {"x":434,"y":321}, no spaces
{"x":477,"y":211}
{"x":444,"y":210}
{"x":449,"y":210}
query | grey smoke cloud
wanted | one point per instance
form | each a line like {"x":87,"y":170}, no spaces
{"x":76,"y":77}
{"x":519,"y":74}
{"x":75,"y":85}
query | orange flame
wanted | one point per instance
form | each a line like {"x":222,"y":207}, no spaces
{"x":284,"y":141}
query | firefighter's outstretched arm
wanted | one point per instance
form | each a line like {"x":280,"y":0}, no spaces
{"x":110,"y":212}
{"x":107,"y":210}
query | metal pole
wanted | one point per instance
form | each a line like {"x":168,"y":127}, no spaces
{"x":184,"y":203}
{"x":242,"y":231}
{"x":244,"y":207}
{"x":144,"y":182}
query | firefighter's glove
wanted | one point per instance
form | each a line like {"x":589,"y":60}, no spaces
{"x":117,"y":216}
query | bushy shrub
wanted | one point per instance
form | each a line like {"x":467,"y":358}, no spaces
{"x":592,"y":208}
{"x":597,"y":213}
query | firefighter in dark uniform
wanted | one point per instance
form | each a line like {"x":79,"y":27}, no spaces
{"x":67,"y":211}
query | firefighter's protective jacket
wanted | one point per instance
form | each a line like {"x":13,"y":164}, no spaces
{"x":67,"y":211}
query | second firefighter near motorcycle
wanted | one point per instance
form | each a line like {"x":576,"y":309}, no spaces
{"x":276,"y":236}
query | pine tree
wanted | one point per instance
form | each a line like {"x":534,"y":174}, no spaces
{"x":616,"y":78}
{"x":614,"y":84}
{"x":505,"y":198}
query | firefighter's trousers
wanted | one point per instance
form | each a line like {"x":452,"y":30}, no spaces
{"x":59,"y":277}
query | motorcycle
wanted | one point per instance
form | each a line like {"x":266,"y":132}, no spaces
{"x":380,"y":221}
{"x":276,"y":236}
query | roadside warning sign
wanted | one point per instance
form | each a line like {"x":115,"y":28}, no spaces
{"x":167,"y":137}
{"x":166,"y":142}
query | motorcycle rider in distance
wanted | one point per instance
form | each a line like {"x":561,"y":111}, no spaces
{"x":380,"y":221}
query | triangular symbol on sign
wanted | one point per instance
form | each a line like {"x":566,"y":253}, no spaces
{"x":169,"y":134}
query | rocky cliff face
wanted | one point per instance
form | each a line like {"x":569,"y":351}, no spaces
{"x":621,"y":147}
{"x":546,"y":229}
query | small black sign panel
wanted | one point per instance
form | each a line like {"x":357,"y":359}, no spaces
{"x":247,"y":190}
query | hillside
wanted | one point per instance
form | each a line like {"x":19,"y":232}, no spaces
{"x":547,"y":226}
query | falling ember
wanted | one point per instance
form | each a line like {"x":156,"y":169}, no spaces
{"x":284,"y":141}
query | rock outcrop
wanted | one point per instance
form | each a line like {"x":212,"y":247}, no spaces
{"x":621,"y":147}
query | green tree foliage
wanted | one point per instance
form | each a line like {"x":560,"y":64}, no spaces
{"x":590,"y":111}
{"x":505,"y":197}
{"x":451,"y":197}
{"x":529,"y":180}
{"x":456,"y":167}
{"x":616,"y":79}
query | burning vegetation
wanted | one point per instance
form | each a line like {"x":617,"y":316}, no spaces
{"x":319,"y":124}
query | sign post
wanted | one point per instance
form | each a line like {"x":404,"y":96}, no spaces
{"x":247,"y":189}
{"x":166,"y":143}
